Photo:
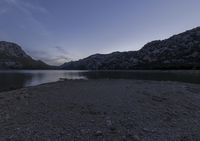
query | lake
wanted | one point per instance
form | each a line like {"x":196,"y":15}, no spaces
{"x":14,"y":79}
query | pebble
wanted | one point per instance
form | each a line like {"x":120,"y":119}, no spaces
{"x":112,"y":128}
{"x":132,"y":137}
{"x":108,"y":122}
{"x":98,"y":133}
{"x":148,"y":130}
{"x":136,"y":138}
{"x":92,"y":120}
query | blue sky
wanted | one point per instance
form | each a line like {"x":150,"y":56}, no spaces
{"x":57,"y":31}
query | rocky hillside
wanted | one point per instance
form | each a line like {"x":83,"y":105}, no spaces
{"x":13,"y":57}
{"x":180,"y":51}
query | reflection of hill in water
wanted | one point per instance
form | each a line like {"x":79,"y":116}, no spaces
{"x":181,"y":76}
{"x":11,"y":81}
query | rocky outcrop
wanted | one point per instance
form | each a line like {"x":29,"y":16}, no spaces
{"x":13,"y":57}
{"x":180,"y":51}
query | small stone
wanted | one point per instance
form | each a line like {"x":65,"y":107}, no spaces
{"x":148,"y":130}
{"x":124,"y":138}
{"x":136,"y":138}
{"x":108,"y":122}
{"x":133,"y":137}
{"x":185,"y":113}
{"x":83,"y":131}
{"x":98,"y":133}
{"x":113,"y":129}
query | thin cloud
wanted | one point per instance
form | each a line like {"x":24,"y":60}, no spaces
{"x":35,"y":8}
{"x":54,"y":59}
{"x":58,"y":60}
{"x":28,"y":9}
{"x":61,"y":57}
{"x":61,"y":50}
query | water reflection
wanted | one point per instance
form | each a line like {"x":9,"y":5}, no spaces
{"x":192,"y":76}
{"x":10,"y":80}
{"x":18,"y":79}
{"x":13,"y":81}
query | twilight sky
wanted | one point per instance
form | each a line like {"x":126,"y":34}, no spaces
{"x":57,"y":31}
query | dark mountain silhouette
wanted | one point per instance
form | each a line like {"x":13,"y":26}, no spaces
{"x":180,"y":51}
{"x":13,"y":57}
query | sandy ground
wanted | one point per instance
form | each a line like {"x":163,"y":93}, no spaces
{"x":102,"y":110}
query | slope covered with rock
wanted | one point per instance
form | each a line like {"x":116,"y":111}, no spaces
{"x":13,"y":57}
{"x":180,"y":51}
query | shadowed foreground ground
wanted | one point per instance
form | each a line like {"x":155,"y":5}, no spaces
{"x":104,"y":110}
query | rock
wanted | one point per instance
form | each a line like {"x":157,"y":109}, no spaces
{"x":108,"y":123}
{"x":148,"y":130}
{"x":136,"y":138}
{"x":113,"y":128}
{"x":92,"y":120}
{"x":133,"y":137}
{"x":158,"y":99}
{"x":84,"y":131}
{"x":98,"y":133}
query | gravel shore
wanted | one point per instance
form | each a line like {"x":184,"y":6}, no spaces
{"x":102,"y":110}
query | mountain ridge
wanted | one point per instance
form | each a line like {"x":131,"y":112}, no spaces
{"x":180,"y":51}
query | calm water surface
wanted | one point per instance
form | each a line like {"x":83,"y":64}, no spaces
{"x":23,"y":78}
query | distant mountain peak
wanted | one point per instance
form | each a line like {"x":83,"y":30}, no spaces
{"x":13,"y":57}
{"x":12,"y":49}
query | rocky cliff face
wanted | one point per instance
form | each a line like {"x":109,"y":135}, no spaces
{"x":13,"y":57}
{"x":180,"y":51}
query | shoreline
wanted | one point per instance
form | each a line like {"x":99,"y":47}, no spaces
{"x":13,"y":80}
{"x":103,"y":109}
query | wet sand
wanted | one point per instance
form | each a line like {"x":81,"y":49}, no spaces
{"x":102,"y":110}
